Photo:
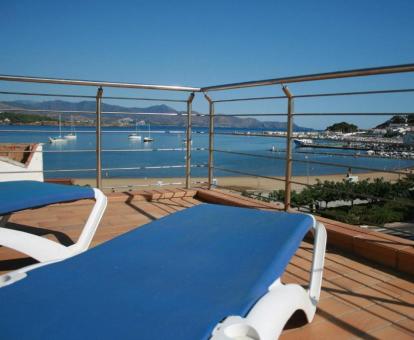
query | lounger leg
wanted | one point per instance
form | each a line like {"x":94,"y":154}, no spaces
{"x":268,"y":317}
{"x":3,"y":220}
{"x":317,"y":262}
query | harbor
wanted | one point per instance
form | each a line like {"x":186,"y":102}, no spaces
{"x":366,"y":145}
{"x":376,"y":148}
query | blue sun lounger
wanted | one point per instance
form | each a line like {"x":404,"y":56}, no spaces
{"x":21,"y":195}
{"x":209,"y":271}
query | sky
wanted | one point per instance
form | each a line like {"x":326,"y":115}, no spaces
{"x":200,"y":43}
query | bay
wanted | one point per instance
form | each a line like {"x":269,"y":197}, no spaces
{"x":125,"y":158}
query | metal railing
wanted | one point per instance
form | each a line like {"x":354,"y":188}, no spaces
{"x":290,"y":114}
{"x":288,"y":96}
{"x":99,"y":114}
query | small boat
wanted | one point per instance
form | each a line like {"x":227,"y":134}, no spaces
{"x":135,"y":135}
{"x":58,"y":139}
{"x":72,"y":134}
{"x":148,"y":139}
{"x":303,"y":142}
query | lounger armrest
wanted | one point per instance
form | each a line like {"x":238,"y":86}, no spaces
{"x":92,"y":223}
{"x":318,"y":260}
{"x":37,"y":247}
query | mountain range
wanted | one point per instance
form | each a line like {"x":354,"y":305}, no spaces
{"x":114,"y":118}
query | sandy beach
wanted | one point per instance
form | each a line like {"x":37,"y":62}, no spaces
{"x":234,"y":183}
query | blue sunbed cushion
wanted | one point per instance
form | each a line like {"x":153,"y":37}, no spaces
{"x":174,"y":278}
{"x":20,"y":195}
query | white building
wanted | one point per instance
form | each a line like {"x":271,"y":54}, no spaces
{"x":409,"y":138}
{"x":18,"y":161}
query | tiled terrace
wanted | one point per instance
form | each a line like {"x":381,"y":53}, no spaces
{"x":360,"y":299}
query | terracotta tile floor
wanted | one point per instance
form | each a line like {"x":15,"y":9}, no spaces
{"x":358,"y":300}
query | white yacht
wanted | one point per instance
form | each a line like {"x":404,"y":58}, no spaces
{"x":72,"y":134}
{"x":303,"y":142}
{"x":135,"y":135}
{"x":58,"y":139}
{"x":148,"y":139}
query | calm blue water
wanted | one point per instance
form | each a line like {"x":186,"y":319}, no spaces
{"x":117,"y":138}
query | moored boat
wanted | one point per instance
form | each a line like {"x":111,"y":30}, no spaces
{"x":71,"y":135}
{"x":58,"y":139}
{"x":148,"y":139}
{"x":303,"y":142}
{"x":135,"y":135}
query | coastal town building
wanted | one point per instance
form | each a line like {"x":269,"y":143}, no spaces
{"x":409,"y":138}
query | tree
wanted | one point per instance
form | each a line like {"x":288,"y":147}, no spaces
{"x":382,"y":201}
{"x":343,"y":127}
{"x":398,"y":120}
{"x":25,"y":118}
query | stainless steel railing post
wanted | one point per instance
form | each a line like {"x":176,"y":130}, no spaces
{"x":210,"y":140}
{"x":288,"y":172}
{"x":98,"y":138}
{"x":189,"y":142}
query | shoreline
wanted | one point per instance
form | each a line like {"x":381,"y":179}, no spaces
{"x":238,"y":183}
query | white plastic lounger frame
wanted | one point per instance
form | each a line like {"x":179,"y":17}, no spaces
{"x":269,"y":315}
{"x":46,"y":251}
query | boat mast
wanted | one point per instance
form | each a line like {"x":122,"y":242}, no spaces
{"x":60,"y":126}
{"x":73,"y":128}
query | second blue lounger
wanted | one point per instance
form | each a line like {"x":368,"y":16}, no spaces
{"x":175,"y":278}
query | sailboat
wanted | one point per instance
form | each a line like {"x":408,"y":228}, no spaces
{"x":148,"y":139}
{"x":135,"y":135}
{"x":72,"y":134}
{"x":58,"y":139}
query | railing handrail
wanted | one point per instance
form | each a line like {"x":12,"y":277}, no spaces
{"x":282,"y":80}
{"x":313,"y":77}
{"x":61,"y":81}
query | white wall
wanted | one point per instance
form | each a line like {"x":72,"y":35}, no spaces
{"x":23,"y":172}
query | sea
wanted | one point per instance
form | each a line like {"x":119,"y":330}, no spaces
{"x":126,"y":158}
